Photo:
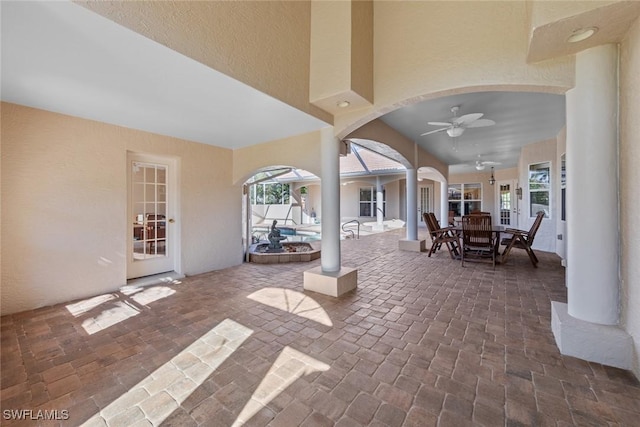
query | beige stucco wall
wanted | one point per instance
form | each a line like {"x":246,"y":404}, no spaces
{"x":64,"y":207}
{"x":630,"y":186}
{"x":350,"y":198}
{"x":539,"y":152}
{"x":422,"y":51}
{"x":301,"y":152}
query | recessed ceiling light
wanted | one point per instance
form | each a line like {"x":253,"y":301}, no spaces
{"x":581,"y":34}
{"x":343,"y":104}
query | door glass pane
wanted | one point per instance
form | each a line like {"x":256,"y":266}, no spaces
{"x":162,"y":175}
{"x":149,"y":202}
{"x":424,"y":200}
{"x":505,"y":204}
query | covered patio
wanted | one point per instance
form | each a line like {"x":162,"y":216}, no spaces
{"x":422,"y":341}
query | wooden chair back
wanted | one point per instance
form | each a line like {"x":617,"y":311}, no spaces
{"x":534,"y":227}
{"x":523,"y":240}
{"x":440,"y":236}
{"x":478,"y":239}
{"x":427,"y":220}
{"x":477,"y":231}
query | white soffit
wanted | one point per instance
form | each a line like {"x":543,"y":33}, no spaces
{"x":61,"y":57}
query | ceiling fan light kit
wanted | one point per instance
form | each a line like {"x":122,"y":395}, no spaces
{"x":454,"y":132}
{"x":456,"y":126}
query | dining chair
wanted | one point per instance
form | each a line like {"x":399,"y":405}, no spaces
{"x":478,"y":241}
{"x":522,"y":239}
{"x":440,"y":236}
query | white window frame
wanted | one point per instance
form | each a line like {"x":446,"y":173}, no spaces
{"x":548,"y":188}
{"x":373,"y":202}
{"x":463,"y":202}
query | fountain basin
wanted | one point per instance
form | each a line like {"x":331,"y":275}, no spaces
{"x":291,"y":252}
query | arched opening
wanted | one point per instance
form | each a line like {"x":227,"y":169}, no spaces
{"x":371,"y":193}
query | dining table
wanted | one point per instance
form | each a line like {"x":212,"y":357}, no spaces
{"x":495,"y":229}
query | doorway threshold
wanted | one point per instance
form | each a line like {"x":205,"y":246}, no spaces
{"x":168,"y":278}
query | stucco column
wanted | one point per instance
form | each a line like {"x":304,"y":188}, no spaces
{"x":586,"y":327}
{"x":412,"y":204}
{"x":592,"y":165}
{"x":411,"y":243}
{"x":444,"y":204}
{"x":330,"y":278}
{"x":330,"y":196}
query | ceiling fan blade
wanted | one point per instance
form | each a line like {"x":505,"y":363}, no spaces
{"x":433,"y":131}
{"x":480,"y":123}
{"x":440,"y":124}
{"x":491,"y":163}
{"x":467,"y":118}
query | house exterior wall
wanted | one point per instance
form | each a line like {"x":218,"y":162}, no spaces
{"x":544,"y":151}
{"x":630,"y":187}
{"x":64,"y":206}
{"x":350,"y":199}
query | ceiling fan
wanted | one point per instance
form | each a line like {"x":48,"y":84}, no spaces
{"x":457,"y":125}
{"x":480,"y":164}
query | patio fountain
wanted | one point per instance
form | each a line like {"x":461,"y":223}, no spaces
{"x":276,"y":252}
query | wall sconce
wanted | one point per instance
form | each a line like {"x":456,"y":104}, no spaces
{"x":519,"y":192}
{"x":492,"y":180}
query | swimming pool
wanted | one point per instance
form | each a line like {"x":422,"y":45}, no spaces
{"x":261,"y":233}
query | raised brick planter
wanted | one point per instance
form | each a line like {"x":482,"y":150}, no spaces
{"x":294,"y":252}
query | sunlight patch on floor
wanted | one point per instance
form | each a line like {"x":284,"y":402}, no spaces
{"x":293,"y":302}
{"x":132,"y":300}
{"x":288,"y":367}
{"x":121,"y":310}
{"x":153,"y":399}
{"x":81,"y":307}
{"x":150,"y":295}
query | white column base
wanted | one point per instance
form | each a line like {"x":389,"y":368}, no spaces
{"x":378,"y":227}
{"x":605,"y":344}
{"x":331,"y":283}
{"x":412,"y":245}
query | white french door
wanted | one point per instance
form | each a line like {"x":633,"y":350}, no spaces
{"x":425,"y":203}
{"x":507,"y":204}
{"x":151,"y":235}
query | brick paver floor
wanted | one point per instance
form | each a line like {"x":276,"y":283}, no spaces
{"x":421,"y":342}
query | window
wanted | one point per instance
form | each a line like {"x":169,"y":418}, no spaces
{"x":369,"y":200}
{"x":539,"y":189}
{"x":465,"y":198}
{"x":270,"y":194}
